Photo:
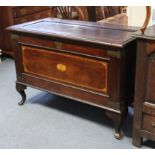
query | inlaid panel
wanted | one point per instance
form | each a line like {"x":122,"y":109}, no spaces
{"x":71,"y":69}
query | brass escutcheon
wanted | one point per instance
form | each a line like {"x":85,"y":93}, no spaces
{"x":114,"y":54}
{"x":61,"y":67}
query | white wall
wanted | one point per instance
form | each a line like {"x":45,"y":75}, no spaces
{"x":136,"y":15}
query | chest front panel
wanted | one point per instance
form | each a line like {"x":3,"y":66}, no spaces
{"x":71,"y":69}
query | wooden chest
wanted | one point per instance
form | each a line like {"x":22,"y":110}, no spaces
{"x":144,"y":104}
{"x":84,"y":61}
{"x":17,"y":15}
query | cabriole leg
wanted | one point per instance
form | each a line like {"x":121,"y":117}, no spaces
{"x":118,"y":120}
{"x":20,"y":88}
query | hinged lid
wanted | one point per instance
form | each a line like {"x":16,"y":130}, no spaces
{"x":104,"y":34}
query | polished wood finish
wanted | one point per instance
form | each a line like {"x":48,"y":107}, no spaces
{"x":72,"y":48}
{"x":84,"y":61}
{"x":16,"y":15}
{"x":64,"y":68}
{"x":144,"y":104}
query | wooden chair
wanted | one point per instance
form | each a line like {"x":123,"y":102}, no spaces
{"x":147,"y":19}
{"x":109,"y":11}
{"x":69,"y":12}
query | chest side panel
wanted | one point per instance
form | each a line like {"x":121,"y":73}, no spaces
{"x":150,"y":91}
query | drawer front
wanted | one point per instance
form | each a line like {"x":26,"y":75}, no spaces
{"x":22,"y":11}
{"x":66,"y":68}
{"x":32,"y":17}
{"x":149,"y":123}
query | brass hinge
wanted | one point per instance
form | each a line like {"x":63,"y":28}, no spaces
{"x":58,"y":44}
{"x":115,"y":54}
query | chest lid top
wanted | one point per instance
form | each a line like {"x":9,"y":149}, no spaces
{"x":104,"y":34}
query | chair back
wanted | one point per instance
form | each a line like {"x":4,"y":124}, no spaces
{"x":109,"y":11}
{"x":69,"y":12}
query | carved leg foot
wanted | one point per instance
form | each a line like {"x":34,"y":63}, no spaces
{"x":118,"y":120}
{"x":20,"y":88}
{"x":137,"y":141}
{"x":118,"y":125}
